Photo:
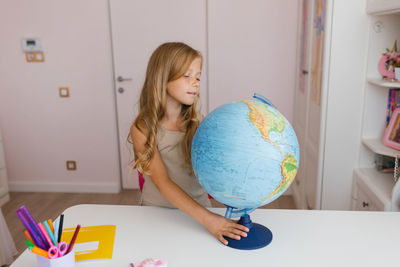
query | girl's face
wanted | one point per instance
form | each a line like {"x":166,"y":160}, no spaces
{"x":185,"y":89}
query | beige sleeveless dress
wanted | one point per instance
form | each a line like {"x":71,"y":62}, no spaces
{"x":169,"y":145}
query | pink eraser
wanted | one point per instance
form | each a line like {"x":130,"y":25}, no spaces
{"x":152,"y":263}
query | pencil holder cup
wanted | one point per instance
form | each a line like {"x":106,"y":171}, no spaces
{"x":67,"y":260}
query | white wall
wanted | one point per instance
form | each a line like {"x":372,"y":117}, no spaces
{"x":345,"y":87}
{"x":252,"y":48}
{"x":42,"y":131}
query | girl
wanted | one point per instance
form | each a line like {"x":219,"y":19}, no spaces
{"x":162,"y":135}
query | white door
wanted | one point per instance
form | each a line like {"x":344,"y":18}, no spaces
{"x":301,"y":98}
{"x":316,"y":108}
{"x":138,"y":28}
{"x":308,"y":110}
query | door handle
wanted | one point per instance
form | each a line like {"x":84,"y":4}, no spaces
{"x":122,"y":79}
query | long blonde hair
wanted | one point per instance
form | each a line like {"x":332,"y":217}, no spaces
{"x":168,"y":62}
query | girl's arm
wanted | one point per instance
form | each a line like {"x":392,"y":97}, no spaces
{"x":217,"y":225}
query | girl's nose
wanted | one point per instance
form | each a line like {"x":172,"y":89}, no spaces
{"x":195,"y":82}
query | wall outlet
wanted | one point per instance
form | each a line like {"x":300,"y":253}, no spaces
{"x":30,"y":56}
{"x":71,"y":165}
{"x":39,"y":56}
{"x":34,"y":56}
{"x":64,"y":91}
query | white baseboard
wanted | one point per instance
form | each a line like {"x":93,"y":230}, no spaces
{"x":64,"y":187}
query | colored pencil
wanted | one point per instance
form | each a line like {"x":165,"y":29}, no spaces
{"x":72,"y":243}
{"x":60,"y":229}
{"x":56,"y":226}
{"x":39,"y":251}
{"x":50,"y":233}
{"x":29,"y":243}
{"x":34,"y":225}
{"x":28,"y":236}
{"x":50,"y":222}
{"x":30,"y":228}
{"x":46,"y":235}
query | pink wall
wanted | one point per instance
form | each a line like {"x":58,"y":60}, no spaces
{"x":252,"y":48}
{"x":41,"y":130}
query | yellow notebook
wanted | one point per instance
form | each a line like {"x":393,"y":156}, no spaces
{"x":92,"y":242}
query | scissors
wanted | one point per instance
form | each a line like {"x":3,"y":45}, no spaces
{"x":55,"y":252}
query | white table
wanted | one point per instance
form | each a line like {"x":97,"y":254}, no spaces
{"x":301,"y":238}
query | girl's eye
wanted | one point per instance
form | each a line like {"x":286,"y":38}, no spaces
{"x":188,"y":76}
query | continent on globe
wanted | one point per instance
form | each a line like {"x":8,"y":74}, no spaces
{"x":289,"y":171}
{"x":264,"y":121}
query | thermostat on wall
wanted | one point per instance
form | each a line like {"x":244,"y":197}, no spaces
{"x":31,"y":45}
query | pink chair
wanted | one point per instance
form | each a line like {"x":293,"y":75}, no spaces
{"x":141,"y":181}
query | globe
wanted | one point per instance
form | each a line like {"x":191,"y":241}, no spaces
{"x":245,"y":154}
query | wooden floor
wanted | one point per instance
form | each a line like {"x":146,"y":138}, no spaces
{"x":44,"y":206}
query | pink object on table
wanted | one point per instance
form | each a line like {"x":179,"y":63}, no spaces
{"x":152,"y":263}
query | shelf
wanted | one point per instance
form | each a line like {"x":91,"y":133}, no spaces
{"x":379,"y":185}
{"x":383,"y":7}
{"x":383,"y":83}
{"x":377,"y":146}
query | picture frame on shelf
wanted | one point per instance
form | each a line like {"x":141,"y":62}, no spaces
{"x":385,"y":69}
{"x":391,"y":137}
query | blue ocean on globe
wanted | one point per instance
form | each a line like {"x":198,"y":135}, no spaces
{"x":245,"y":154}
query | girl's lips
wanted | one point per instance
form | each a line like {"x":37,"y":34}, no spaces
{"x":191,"y":93}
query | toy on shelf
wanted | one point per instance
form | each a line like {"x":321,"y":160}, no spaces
{"x":384,"y":163}
{"x":390,"y":61}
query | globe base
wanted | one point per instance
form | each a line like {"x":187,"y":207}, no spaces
{"x":259,"y":236}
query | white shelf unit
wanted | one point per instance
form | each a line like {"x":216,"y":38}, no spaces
{"x":383,"y":83}
{"x":382,"y":7}
{"x":376,"y":190}
{"x":377,"y":146}
{"x":371,"y":187}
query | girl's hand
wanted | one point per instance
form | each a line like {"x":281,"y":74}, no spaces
{"x":220,"y":226}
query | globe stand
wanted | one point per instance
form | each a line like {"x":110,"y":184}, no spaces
{"x":258,"y":236}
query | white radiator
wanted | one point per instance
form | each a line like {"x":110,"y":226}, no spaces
{"x":7,"y":246}
{"x":4,"y":197}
